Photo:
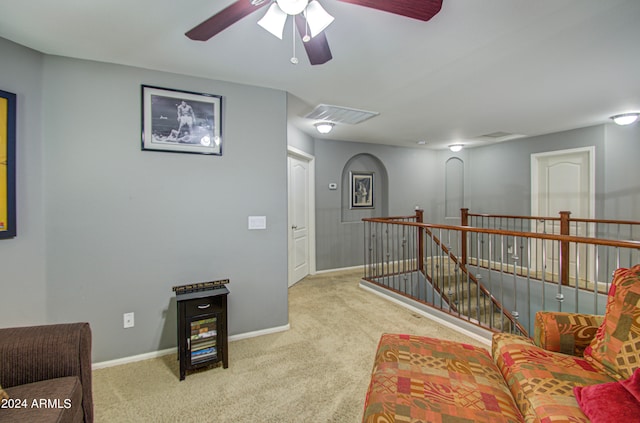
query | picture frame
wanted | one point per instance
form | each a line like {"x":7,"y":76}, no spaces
{"x":361,"y":188}
{"x":181,"y":121}
{"x":7,"y":165}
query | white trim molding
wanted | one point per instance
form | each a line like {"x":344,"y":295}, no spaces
{"x":295,"y":152}
{"x":432,"y":315}
{"x":174,"y":350}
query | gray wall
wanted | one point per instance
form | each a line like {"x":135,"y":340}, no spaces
{"x":622,"y":172}
{"x":23,"y":288}
{"x":412,"y":181}
{"x":496,"y":178}
{"x":499,"y":178}
{"x":123,"y":225}
{"x":299,"y":140}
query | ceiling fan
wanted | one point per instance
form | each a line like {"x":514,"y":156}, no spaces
{"x":317,"y":47}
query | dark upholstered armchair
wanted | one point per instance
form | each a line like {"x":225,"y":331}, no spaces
{"x":46,"y":371}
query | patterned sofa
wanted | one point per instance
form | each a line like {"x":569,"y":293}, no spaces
{"x":419,"y":379}
{"x":577,"y":368}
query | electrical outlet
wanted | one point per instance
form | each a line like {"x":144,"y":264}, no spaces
{"x":128,"y":320}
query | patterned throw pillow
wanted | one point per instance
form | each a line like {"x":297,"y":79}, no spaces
{"x":616,"y":347}
{"x":3,"y":394}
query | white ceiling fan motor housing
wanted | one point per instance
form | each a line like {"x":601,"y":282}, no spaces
{"x":292,"y":7}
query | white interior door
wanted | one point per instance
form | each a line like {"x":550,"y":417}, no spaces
{"x":300,"y":232}
{"x":564,"y":181}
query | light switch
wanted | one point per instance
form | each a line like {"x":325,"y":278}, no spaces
{"x":257,"y":222}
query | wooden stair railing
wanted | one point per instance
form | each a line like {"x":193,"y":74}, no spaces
{"x":565,"y":220}
{"x":425,"y":230}
{"x":417,"y":221}
{"x":419,"y":218}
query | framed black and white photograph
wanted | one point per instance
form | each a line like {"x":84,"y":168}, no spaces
{"x":181,"y":121}
{"x":361,"y":190}
{"x":7,"y":165}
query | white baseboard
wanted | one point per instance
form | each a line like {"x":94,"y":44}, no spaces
{"x":133,"y":358}
{"x":318,"y":272}
{"x":174,"y":350}
{"x":260,"y":332}
{"x":479,"y":338}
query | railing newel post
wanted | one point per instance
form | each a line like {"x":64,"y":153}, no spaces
{"x":564,"y":246}
{"x":464,"y":221}
{"x":420,"y":219}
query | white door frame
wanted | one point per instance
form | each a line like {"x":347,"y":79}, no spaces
{"x":311,"y":160}
{"x":535,"y":174}
{"x":592,"y":176}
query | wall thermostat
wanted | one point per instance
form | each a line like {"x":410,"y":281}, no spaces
{"x":333,"y":185}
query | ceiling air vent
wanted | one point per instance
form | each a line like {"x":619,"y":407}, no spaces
{"x":326,"y":112}
{"x":496,"y":135}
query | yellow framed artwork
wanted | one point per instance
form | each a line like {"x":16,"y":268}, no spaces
{"x":7,"y":165}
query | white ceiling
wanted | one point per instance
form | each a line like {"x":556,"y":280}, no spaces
{"x":525,"y":67}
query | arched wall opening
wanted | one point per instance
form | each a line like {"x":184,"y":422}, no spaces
{"x":454,"y":188}
{"x":365,"y":188}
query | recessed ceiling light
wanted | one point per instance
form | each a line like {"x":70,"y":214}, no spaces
{"x":455,"y":147}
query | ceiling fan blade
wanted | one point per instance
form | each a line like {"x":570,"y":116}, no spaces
{"x":416,"y":9}
{"x":225,"y":18}
{"x":318,"y":47}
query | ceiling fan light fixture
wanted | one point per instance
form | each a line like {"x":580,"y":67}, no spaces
{"x":317,"y":18}
{"x":274,"y":20}
{"x":324,"y":127}
{"x":625,"y":118}
{"x":455,"y":147}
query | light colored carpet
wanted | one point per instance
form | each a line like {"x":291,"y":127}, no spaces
{"x":318,"y":371}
